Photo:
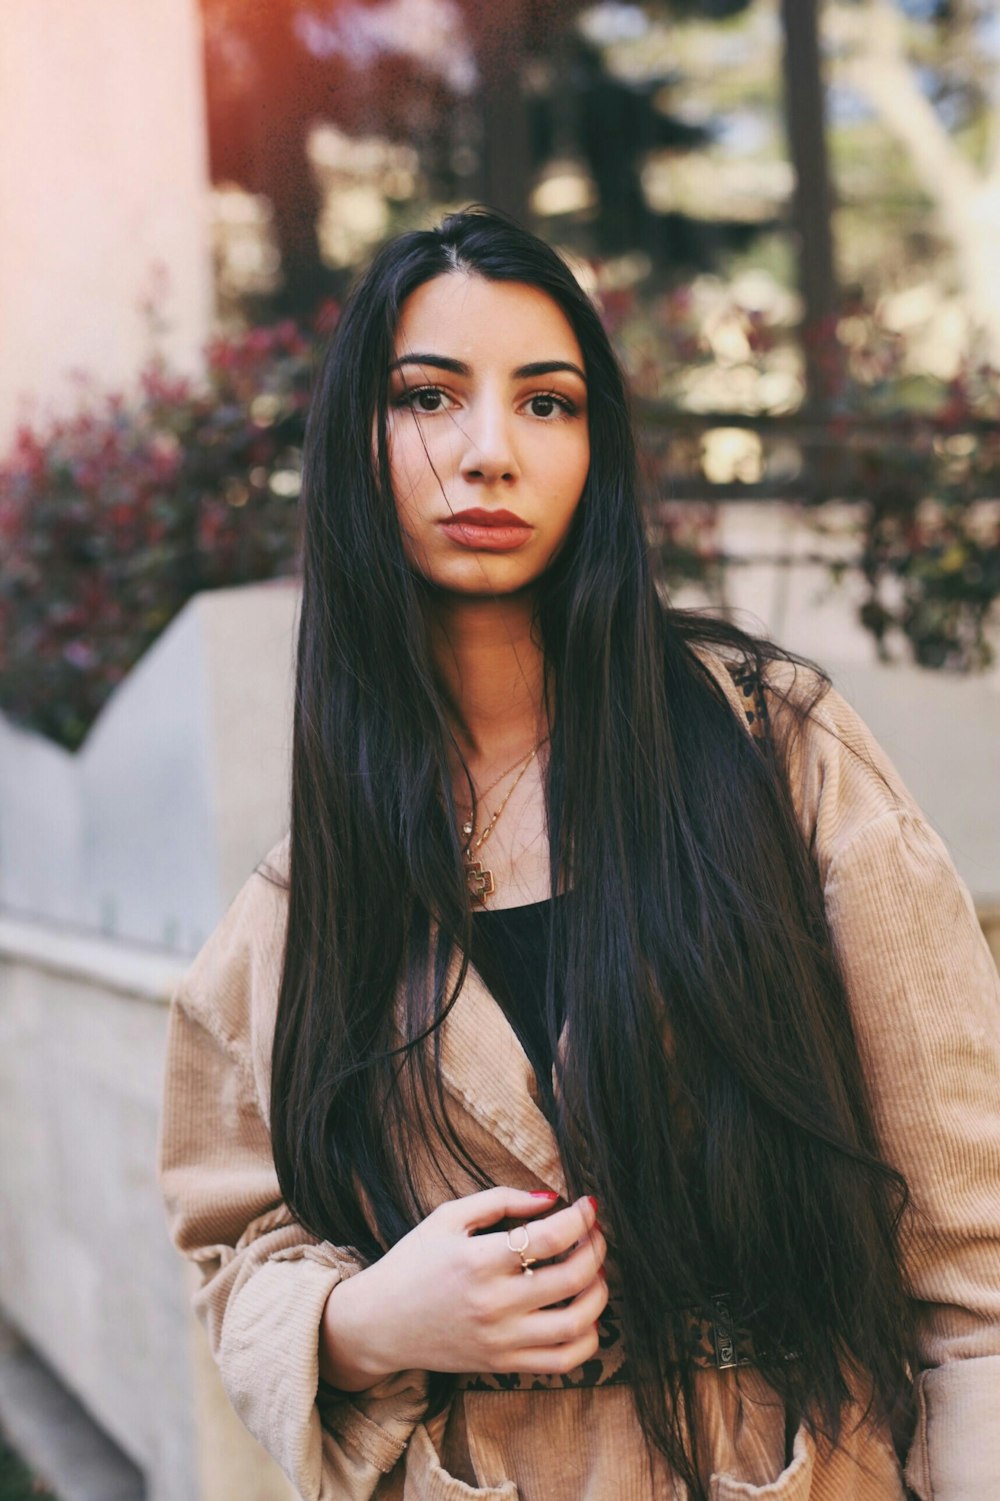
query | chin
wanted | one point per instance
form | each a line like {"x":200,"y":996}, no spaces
{"x":485,"y":586}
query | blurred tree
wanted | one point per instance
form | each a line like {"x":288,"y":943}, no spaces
{"x":273,"y":71}
{"x":614,"y":120}
{"x":805,"y":116}
{"x":924,"y":70}
{"x":271,"y":74}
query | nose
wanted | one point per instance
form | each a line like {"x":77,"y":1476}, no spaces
{"x":488,"y":455}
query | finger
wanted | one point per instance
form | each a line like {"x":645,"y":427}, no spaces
{"x":552,"y":1236}
{"x":564,"y":1279}
{"x":561,"y":1326}
{"x":479,"y":1210}
{"x":556,"y":1360}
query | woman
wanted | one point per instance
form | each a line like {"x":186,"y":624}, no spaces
{"x":632,"y":1222}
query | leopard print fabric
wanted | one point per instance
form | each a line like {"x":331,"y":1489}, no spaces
{"x":710,"y":1338}
{"x":609,"y":1367}
{"x":755,"y":706}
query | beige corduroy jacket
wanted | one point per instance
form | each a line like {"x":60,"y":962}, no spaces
{"x":926,"y":1003}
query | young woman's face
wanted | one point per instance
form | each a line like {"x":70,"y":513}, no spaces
{"x":488,"y":437}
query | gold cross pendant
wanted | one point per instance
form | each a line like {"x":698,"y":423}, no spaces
{"x":480,"y":883}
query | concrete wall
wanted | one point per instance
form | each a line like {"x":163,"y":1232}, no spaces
{"x":180,"y":788}
{"x":87,"y":1275}
{"x":103,"y":193}
{"x":115,"y":864}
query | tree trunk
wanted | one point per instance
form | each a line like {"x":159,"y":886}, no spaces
{"x":805,"y":119}
{"x":506,"y":162}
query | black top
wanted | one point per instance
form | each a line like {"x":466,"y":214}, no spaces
{"x":510,"y":947}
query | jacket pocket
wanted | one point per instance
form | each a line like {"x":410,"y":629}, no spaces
{"x":793,"y":1484}
{"x":425,"y":1480}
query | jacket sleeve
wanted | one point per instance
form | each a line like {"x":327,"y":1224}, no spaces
{"x":926,"y":1005}
{"x":264,"y":1279}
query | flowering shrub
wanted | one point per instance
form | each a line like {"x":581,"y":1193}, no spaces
{"x":112,"y":519}
{"x":930,"y":540}
{"x":930,"y":556}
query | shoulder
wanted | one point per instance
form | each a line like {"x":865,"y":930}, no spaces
{"x":839,"y":778}
{"x":231,"y":987}
{"x":842,"y":782}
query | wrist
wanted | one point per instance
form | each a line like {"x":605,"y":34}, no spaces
{"x":346,"y":1357}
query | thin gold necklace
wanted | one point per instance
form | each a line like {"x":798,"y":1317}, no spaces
{"x":485,"y":791}
{"x":479,"y":880}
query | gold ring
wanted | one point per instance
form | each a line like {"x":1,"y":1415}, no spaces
{"x":526,"y":1261}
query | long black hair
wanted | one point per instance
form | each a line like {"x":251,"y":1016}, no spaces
{"x":711,"y":1095}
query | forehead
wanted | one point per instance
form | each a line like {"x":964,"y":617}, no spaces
{"x":469,"y":318}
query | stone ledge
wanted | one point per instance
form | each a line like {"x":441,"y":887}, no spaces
{"x":56,"y":1436}
{"x":127,"y":969}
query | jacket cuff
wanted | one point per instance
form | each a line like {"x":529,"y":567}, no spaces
{"x":269,"y":1362}
{"x":376,"y":1424}
{"x":955,"y":1455}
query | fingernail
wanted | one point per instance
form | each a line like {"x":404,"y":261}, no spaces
{"x":593,"y":1202}
{"x":543,"y":1193}
{"x":602,"y":1273}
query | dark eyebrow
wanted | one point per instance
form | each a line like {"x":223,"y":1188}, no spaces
{"x":548,"y":367}
{"x":456,"y":367}
{"x":439,"y":362}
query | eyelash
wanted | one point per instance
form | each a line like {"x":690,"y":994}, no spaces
{"x":410,"y":397}
{"x":567,"y":407}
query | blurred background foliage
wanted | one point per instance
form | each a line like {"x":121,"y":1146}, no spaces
{"x":789,"y":214}
{"x":17,"y":1483}
{"x":111,"y":520}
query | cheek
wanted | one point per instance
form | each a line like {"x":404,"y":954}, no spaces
{"x":570,"y":475}
{"x":409,"y":467}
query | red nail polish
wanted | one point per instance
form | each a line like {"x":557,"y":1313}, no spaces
{"x":593,"y":1202}
{"x":602,"y":1273}
{"x":543,"y":1193}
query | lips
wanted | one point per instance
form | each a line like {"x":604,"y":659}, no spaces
{"x":476,"y":516}
{"x":486,"y":531}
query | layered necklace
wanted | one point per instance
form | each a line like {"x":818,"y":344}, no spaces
{"x":479,"y":880}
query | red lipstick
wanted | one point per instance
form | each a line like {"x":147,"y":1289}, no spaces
{"x":486,"y":531}
{"x":478,"y":517}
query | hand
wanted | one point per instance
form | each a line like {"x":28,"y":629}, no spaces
{"x":448,"y":1299}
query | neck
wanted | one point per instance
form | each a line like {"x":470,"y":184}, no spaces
{"x":492,"y":669}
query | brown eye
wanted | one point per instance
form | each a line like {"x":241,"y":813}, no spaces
{"x":421,"y":399}
{"x":548,"y":404}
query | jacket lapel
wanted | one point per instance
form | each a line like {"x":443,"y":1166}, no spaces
{"x":485,"y":1068}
